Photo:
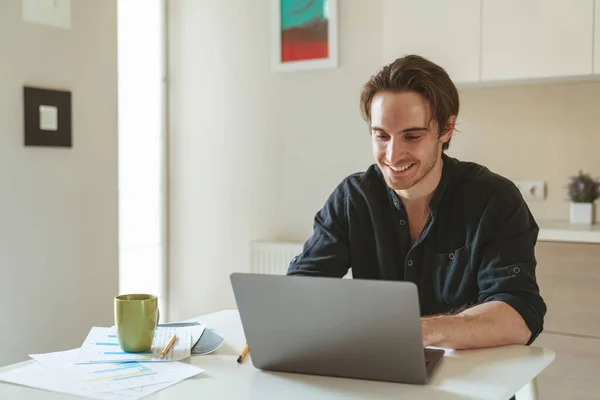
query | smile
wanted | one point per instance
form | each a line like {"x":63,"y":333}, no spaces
{"x":401,"y":168}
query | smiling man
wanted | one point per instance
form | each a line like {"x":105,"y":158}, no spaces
{"x":462,"y":233}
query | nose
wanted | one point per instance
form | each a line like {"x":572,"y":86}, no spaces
{"x":394,"y":150}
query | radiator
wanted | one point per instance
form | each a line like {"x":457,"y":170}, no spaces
{"x":273,"y":257}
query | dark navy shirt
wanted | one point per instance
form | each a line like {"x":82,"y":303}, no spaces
{"x":477,"y":245}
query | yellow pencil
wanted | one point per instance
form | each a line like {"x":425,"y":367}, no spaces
{"x":243,"y":354}
{"x":168,"y":346}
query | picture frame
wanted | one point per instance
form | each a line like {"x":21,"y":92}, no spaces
{"x":304,"y":34}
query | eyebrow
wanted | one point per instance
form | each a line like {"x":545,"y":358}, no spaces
{"x":407,"y":130}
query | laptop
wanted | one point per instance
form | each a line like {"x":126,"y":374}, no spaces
{"x":349,"y":328}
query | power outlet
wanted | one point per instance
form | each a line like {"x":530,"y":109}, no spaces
{"x":532,"y":190}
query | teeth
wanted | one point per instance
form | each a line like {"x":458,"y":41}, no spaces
{"x":402,"y":168}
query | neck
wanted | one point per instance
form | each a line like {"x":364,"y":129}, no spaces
{"x":419,"y":195}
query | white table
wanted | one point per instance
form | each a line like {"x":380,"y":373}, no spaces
{"x":474,"y":374}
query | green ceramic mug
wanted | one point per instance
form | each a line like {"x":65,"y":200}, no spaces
{"x":136,"y":319}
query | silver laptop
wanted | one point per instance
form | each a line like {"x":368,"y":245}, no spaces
{"x":363,"y":329}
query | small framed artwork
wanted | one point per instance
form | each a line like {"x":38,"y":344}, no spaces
{"x":47,"y":115}
{"x":305,"y":34}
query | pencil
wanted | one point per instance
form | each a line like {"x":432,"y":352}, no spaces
{"x":168,"y":346}
{"x":243,"y":354}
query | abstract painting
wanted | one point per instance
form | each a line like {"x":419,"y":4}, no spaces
{"x":305,"y":34}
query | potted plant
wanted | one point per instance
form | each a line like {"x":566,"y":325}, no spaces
{"x":583,"y":190}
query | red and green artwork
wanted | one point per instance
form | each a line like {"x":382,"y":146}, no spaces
{"x":304,"y":30}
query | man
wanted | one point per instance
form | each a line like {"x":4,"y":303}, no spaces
{"x":461,"y":233}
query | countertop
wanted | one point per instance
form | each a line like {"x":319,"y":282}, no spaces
{"x":563,"y":231}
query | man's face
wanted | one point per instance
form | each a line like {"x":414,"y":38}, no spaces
{"x":405,"y":140}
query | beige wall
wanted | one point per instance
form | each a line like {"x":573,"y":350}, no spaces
{"x":541,"y":132}
{"x":538,"y":132}
{"x":58,"y":209}
{"x":254,"y":154}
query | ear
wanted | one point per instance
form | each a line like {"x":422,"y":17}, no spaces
{"x":447,"y":134}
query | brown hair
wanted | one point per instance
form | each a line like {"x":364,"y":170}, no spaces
{"x":417,"y":74}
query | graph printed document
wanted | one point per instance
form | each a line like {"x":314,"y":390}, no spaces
{"x":101,"y":346}
{"x":57,"y":372}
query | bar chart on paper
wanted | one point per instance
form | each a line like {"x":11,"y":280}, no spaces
{"x":101,"y":346}
{"x":99,"y":377}
{"x":120,"y":372}
{"x":101,"y":370}
{"x":57,"y":372}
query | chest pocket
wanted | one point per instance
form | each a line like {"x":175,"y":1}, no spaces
{"x":452,"y":278}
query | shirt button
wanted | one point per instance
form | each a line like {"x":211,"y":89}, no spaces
{"x":396,"y":203}
{"x":516,"y":270}
{"x":295,"y":259}
{"x":402,"y":222}
{"x":451,"y":256}
{"x":410,"y":263}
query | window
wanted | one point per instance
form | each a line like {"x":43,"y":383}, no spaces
{"x":142,"y":148}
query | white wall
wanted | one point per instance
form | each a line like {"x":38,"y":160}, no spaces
{"x":58,"y":209}
{"x":222,"y":150}
{"x":246,"y":142}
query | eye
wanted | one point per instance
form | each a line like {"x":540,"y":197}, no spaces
{"x":413,"y":137}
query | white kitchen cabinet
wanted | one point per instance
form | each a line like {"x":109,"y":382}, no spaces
{"x":447,"y":32}
{"x":530,"y":39}
{"x":597,"y":39}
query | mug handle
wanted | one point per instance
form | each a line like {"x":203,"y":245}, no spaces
{"x":157,"y":318}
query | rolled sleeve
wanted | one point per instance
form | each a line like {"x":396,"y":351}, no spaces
{"x":507,"y":271}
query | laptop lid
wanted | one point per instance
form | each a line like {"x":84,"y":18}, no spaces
{"x":366,"y":329}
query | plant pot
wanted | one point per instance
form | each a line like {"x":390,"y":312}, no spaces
{"x":582,"y":213}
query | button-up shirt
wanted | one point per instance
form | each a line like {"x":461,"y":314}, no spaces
{"x":478,"y":244}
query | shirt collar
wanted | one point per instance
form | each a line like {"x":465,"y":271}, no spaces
{"x":445,"y":180}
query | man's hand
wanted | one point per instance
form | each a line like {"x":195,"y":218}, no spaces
{"x":485,"y":325}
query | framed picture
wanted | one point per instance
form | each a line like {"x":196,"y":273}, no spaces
{"x":305,"y":34}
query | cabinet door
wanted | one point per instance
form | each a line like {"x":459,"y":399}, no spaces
{"x":445,"y":31}
{"x":574,"y":373}
{"x":530,"y":39}
{"x":569,"y":277}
